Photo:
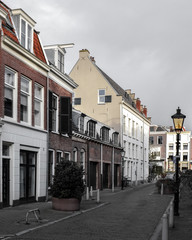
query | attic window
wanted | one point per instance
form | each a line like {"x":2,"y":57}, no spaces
{"x":24,"y":25}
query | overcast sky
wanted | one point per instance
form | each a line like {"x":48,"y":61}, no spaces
{"x":143,"y":45}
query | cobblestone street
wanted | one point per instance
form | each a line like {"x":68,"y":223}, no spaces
{"x":129,"y":214}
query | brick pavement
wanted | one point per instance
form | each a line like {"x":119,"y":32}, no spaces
{"x":12,"y":220}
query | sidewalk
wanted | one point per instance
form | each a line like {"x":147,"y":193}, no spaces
{"x":183,"y":223}
{"x":13,"y":219}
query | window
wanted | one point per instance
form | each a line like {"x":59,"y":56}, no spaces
{"x":185,"y":146}
{"x":124,"y":124}
{"x":151,"y":140}
{"x":81,"y":123}
{"x":115,"y":138}
{"x":129,"y":150}
{"x":61,"y":61}
{"x":38,"y":105}
{"x":66,"y":156}
{"x":53,"y":112}
{"x":82,"y":158}
{"x":170,"y":156}
{"x":26,"y":35}
{"x":133,"y":129}
{"x":75,"y":154}
{"x":185,"y":156}
{"x":77,"y":101}
{"x":129,"y":126}
{"x":25,"y":97}
{"x":91,"y":128}
{"x":171,"y":146}
{"x":160,"y":140}
{"x":105,"y":134}
{"x":59,"y":156}
{"x":101,"y":96}
{"x":10,"y":102}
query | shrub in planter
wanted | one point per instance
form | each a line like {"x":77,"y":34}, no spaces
{"x":68,"y":181}
{"x":168,"y":185}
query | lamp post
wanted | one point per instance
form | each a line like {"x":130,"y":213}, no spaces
{"x":178,"y":120}
{"x":122,"y":171}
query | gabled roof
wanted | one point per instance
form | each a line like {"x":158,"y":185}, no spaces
{"x":9,"y":31}
{"x":119,"y":90}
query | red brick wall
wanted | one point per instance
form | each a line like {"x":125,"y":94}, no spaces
{"x":23,"y":69}
{"x":57,"y":89}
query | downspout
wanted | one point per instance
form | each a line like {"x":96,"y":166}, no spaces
{"x":47,"y":194}
{"x":101,"y":185}
{"x":112,"y":170}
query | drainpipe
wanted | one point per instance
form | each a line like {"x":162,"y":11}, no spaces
{"x":112,"y":170}
{"x":101,"y":185}
{"x":47,"y":162}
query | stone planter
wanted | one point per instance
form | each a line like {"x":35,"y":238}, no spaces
{"x":65,"y":204}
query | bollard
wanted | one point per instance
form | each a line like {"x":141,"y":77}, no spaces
{"x":161,"y":188}
{"x":164,"y":227}
{"x":91,"y":191}
{"x":87,"y":194}
{"x":171,"y":216}
{"x":98,"y":196}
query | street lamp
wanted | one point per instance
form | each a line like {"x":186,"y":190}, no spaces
{"x":178,"y":120}
{"x":122,"y":172}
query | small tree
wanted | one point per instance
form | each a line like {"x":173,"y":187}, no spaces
{"x":68,"y":181}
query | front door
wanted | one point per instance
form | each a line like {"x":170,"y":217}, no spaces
{"x":93,"y":174}
{"x":6,"y":186}
{"x":27,"y":176}
{"x":105,"y":175}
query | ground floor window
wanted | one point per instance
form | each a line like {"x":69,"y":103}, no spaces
{"x":27,"y":175}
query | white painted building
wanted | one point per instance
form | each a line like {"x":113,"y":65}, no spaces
{"x":136,"y":145}
{"x":184,"y":151}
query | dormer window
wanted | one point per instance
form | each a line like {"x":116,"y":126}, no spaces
{"x":24,"y":27}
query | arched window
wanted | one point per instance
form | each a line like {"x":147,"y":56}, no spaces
{"x":75,"y":154}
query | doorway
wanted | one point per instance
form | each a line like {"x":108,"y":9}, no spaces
{"x":27,"y":176}
{"x":6,"y":182}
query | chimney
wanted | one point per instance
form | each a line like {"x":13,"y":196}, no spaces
{"x":128,"y":91}
{"x":84,"y":53}
{"x":145,"y":111}
{"x":138,"y":104}
{"x":92,"y":59}
{"x":141,"y":108}
{"x":132,"y":95}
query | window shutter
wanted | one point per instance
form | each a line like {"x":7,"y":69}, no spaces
{"x":50,"y":110}
{"x":65,"y":115}
{"x":108,"y":98}
{"x":77,"y":101}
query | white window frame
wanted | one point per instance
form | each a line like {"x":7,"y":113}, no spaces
{"x":55,"y":113}
{"x":101,"y":96}
{"x":75,"y":152}
{"x":61,"y":156}
{"x":14,"y":91}
{"x":39,"y":100}
{"x":28,"y":40}
{"x":28,"y":95}
{"x":60,"y":62}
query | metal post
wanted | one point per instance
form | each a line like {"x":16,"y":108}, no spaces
{"x":176,"y":195}
{"x":87,"y":194}
{"x":165,"y":227}
{"x":98,"y":196}
{"x":171,"y":216}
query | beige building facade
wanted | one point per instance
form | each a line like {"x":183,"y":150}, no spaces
{"x":100,"y":97}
